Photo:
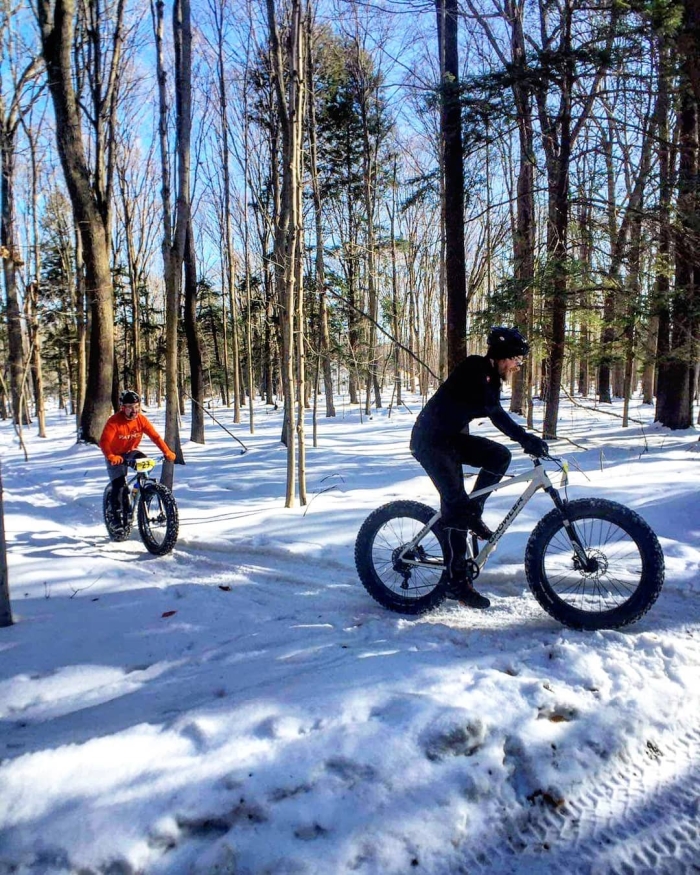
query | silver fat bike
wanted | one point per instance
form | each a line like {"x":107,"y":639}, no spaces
{"x":590,"y":563}
{"x":152,"y":503}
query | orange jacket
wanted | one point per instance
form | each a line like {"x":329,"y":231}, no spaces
{"x":121,"y":435}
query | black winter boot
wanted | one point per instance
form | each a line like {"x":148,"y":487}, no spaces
{"x":464,"y":592}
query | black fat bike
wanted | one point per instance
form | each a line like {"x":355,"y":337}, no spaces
{"x":152,"y":503}
{"x":590,"y":563}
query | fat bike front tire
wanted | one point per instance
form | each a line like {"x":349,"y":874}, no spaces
{"x":406,"y":589}
{"x":115,"y":530}
{"x":158,"y":519}
{"x":624,"y":575}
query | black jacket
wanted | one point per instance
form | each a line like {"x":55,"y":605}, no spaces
{"x":472,"y":390}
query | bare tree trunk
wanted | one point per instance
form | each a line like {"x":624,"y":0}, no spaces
{"x":607,"y":338}
{"x":218,"y":11}
{"x":11,"y":117}
{"x":193,"y":340}
{"x":10,"y":259}
{"x":524,"y":237}
{"x":632,"y":307}
{"x":586,"y":250}
{"x":453,"y":171}
{"x":32,"y":299}
{"x":679,"y":368}
{"x":90,"y":201}
{"x":369,"y":176}
{"x":323,"y":329}
{"x":133,"y":274}
{"x":661,"y":306}
{"x":5,"y":606}
{"x":248,"y":296}
{"x":288,"y":230}
{"x":174,"y":240}
{"x":79,"y":385}
{"x":559,"y":133}
{"x":651,"y":334}
{"x":557,"y":229}
{"x":394,"y":290}
{"x":300,"y":315}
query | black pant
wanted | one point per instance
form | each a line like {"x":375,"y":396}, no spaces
{"x":117,"y":474}
{"x":119,"y":496}
{"x":442,"y":460}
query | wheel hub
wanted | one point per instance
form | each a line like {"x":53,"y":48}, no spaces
{"x":596,"y":564}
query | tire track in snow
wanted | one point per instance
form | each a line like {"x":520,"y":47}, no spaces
{"x":643,"y":818}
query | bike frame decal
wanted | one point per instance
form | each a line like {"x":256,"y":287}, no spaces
{"x":490,"y":545}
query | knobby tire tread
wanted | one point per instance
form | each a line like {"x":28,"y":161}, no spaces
{"x":171,"y":515}
{"x":372,"y":582}
{"x":644,"y":596}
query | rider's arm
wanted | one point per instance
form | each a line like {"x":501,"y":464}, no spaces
{"x":529,"y":442}
{"x":505,"y":424}
{"x":109,"y":444}
{"x":157,"y":439}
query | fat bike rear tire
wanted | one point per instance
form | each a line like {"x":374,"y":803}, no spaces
{"x":406,"y":589}
{"x":158,"y":518}
{"x":115,"y":530}
{"x":625,"y":574}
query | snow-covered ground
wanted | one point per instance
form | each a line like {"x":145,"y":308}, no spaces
{"x":243,"y":706}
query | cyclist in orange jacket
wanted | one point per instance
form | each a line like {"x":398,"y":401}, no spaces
{"x":120,"y":438}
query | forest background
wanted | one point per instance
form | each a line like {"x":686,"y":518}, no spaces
{"x":225,"y":200}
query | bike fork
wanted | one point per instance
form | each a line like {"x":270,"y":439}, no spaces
{"x":570,"y":528}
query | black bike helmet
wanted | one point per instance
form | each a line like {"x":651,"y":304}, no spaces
{"x":128,"y":396}
{"x":506,"y":343}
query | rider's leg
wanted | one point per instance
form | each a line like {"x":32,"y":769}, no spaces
{"x":460,"y":583}
{"x":120,"y":493}
{"x":456,"y":554}
{"x":117,"y":476}
{"x":491,"y":457}
{"x":443,"y":465}
{"x":118,"y":498}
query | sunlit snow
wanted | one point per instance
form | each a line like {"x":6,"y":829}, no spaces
{"x":243,"y":706}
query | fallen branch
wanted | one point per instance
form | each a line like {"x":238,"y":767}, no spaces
{"x":391,"y":337}
{"x":599,"y":409}
{"x":220,"y":424}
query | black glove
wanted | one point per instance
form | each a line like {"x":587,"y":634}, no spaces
{"x":535,"y":446}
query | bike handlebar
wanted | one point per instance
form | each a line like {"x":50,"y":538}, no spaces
{"x":537,"y":460}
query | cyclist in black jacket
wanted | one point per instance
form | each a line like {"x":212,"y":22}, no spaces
{"x":441,"y":442}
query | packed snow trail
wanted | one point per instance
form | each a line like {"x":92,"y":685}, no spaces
{"x":242,"y":705}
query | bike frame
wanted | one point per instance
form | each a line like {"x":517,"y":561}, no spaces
{"x":536,"y":479}
{"x":134,"y":483}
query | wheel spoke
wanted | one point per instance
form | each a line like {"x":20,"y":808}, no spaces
{"x":615,"y":566}
{"x":409,"y":582}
